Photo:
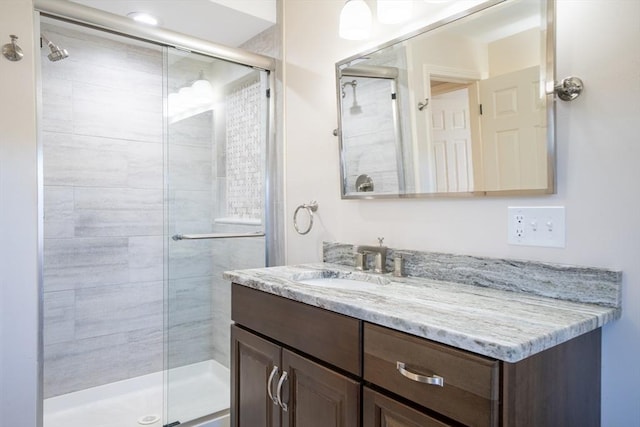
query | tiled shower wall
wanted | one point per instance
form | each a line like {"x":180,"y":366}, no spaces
{"x":104,"y":296}
{"x":370,"y":144}
{"x":103,"y":205}
{"x":368,"y":133}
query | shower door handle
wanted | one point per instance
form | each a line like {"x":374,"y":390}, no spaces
{"x":178,"y":237}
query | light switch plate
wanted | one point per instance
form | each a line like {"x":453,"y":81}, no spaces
{"x":536,"y":226}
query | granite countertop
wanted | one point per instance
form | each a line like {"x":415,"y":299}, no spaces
{"x":501,"y":324}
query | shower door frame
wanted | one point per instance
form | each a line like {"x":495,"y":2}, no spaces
{"x":97,"y":19}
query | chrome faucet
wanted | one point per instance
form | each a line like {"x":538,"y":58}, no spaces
{"x":362,"y":252}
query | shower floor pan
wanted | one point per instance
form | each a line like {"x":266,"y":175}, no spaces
{"x":195,"y":392}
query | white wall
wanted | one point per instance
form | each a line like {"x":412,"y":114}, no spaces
{"x":18,"y":219}
{"x":597,"y":140}
{"x":598,"y":151}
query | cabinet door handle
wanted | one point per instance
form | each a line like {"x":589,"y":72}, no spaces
{"x":274,"y":371}
{"x":432,"y":380}
{"x":283,"y":378}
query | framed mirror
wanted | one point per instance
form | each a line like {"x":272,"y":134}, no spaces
{"x":463,"y":107}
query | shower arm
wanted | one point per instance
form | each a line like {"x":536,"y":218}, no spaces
{"x":353,"y":84}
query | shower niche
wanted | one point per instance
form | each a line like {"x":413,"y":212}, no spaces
{"x":141,"y":142}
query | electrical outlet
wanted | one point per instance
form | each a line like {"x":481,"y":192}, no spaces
{"x":536,"y":226}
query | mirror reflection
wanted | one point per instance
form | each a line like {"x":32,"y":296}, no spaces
{"x":459,"y":109}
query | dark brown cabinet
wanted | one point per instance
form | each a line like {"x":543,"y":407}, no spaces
{"x":318,"y":396}
{"x":272,"y":385}
{"x":253,"y":361}
{"x":275,"y":387}
{"x":467,"y":389}
{"x":298,"y":365}
{"x":381,"y":411}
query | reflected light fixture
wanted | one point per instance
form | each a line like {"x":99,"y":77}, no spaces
{"x":355,"y":20}
{"x":192,"y":98}
{"x":143,"y":18}
{"x":394,"y":11}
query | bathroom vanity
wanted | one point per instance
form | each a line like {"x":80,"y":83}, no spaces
{"x":414,"y":351}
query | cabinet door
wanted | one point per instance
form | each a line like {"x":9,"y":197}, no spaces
{"x":252,"y":362}
{"x":380,"y":411}
{"x":317,"y":396}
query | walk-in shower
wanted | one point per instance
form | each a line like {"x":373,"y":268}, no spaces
{"x":141,"y":142}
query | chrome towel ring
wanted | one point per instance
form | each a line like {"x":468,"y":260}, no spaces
{"x":310,"y":207}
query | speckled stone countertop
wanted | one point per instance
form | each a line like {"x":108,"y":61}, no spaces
{"x":502,"y":324}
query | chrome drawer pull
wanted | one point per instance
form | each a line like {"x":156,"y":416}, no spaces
{"x":274,"y":371}
{"x":432,"y":380}
{"x":283,"y":378}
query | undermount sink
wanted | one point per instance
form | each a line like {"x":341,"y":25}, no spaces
{"x":340,"y":283}
{"x":341,"y":280}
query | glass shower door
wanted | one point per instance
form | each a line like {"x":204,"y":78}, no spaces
{"x":216,"y":117}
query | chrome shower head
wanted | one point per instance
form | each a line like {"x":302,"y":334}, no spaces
{"x":56,"y":53}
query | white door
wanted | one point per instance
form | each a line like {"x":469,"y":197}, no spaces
{"x":452,"y":164}
{"x":514,"y":154}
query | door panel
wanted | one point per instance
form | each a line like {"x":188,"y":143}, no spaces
{"x":253,"y":361}
{"x":380,"y":411}
{"x":215,"y":145}
{"x":451,"y":141}
{"x":317,"y":396}
{"x":514,"y":148}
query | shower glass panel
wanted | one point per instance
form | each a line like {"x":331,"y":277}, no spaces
{"x":216,"y":140}
{"x":103,"y":279}
{"x":135,"y":323}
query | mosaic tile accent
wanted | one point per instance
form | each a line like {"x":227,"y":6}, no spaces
{"x":245,"y":156}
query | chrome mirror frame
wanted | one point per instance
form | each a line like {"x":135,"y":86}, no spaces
{"x":547,"y":88}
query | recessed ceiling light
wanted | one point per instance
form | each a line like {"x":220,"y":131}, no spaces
{"x":143,"y":17}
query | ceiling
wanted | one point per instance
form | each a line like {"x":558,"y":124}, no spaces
{"x":227,"y":22}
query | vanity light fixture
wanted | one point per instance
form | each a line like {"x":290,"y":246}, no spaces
{"x":143,"y":18}
{"x":355,"y":17}
{"x":394,"y":11}
{"x":355,"y":20}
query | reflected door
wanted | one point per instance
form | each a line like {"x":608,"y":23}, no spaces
{"x":451,"y":141}
{"x":514,"y":153}
{"x":216,"y":117}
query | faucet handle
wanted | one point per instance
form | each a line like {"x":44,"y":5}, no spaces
{"x":378,"y":265}
{"x":380,"y":241}
{"x":398,"y":265}
{"x":361,"y":260}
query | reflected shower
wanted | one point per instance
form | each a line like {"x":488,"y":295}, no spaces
{"x":56,"y":53}
{"x":355,"y":108}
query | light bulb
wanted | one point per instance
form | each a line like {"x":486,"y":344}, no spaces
{"x":186,"y":94}
{"x":394,"y":11}
{"x":355,"y":20}
{"x":202,"y":90}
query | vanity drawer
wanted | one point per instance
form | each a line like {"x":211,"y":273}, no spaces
{"x":470,"y":383}
{"x":325,"y":335}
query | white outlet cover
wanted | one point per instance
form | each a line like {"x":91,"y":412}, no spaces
{"x":536,"y":226}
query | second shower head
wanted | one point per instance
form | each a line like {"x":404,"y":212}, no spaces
{"x":56,"y":53}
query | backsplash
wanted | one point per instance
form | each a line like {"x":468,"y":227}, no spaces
{"x":571,"y":283}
